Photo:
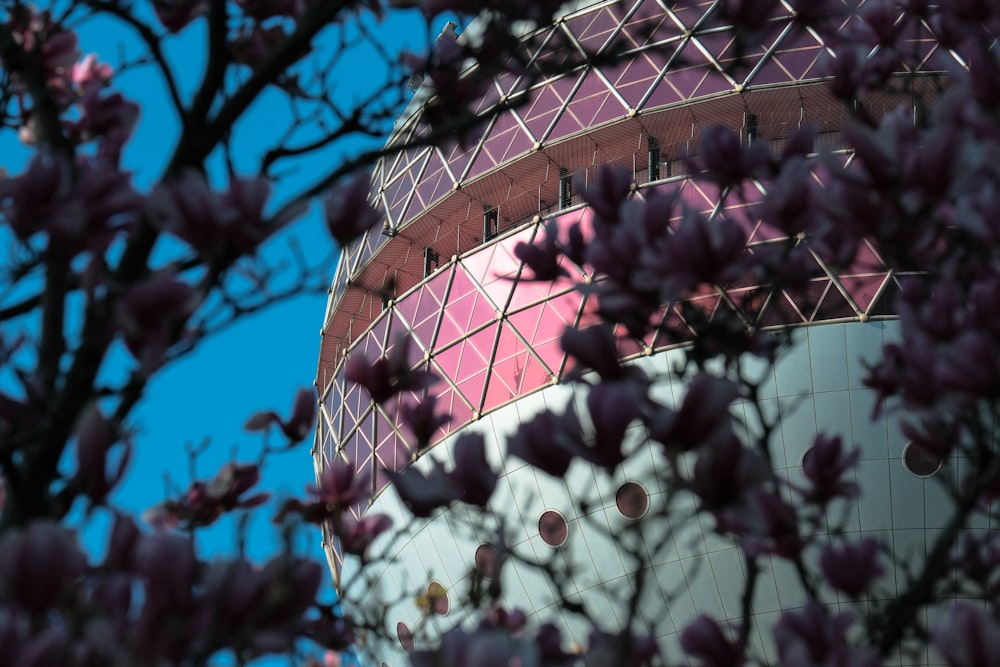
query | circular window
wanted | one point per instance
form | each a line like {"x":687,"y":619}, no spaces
{"x":552,"y":528}
{"x":632,"y":500}
{"x":437,"y":597}
{"x":486,"y":560}
{"x":921,"y":461}
{"x":405,"y":636}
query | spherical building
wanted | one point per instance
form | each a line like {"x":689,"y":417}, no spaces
{"x":443,"y":271}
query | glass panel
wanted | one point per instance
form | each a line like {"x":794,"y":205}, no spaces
{"x":862,"y":288}
{"x":542,"y":109}
{"x":420,"y":309}
{"x":435,"y":183}
{"x":633,"y":78}
{"x":466,"y":309}
{"x":593,"y":28}
{"x":515,"y":371}
{"x":467,"y":363}
{"x":780,"y":310}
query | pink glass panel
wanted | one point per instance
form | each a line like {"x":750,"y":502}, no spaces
{"x":467,"y":363}
{"x":543,"y":325}
{"x":465,"y":310}
{"x":493,"y":268}
{"x":515,"y":370}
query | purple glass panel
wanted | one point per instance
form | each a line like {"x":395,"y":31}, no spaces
{"x":687,"y":81}
{"x":780,"y":310}
{"x":434,"y":183}
{"x":539,"y":114}
{"x":399,"y":196}
{"x":700,"y":196}
{"x":358,"y":449}
{"x":834,"y":305}
{"x":422,"y":307}
{"x":649,"y":25}
{"x":460,"y":155}
{"x":633,"y":78}
{"x":495,"y":145}
{"x":392,"y":452}
{"x":334,"y":406}
{"x":863,"y":288}
{"x":451,"y":403}
{"x":490,"y":98}
{"x":355,"y":401}
{"x":663,"y":93}
{"x":867,"y":260}
{"x":593,"y":28}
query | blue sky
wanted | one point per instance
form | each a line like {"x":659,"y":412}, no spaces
{"x":260,"y":362}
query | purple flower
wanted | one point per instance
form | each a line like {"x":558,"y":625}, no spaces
{"x":348,"y":213}
{"x":542,"y":257}
{"x":423,"y":494}
{"x":810,"y":637}
{"x":298,"y":425}
{"x":95,"y":438}
{"x":705,"y":640}
{"x":549,"y":442}
{"x":621,"y":649}
{"x":39,"y":564}
{"x":966,"y":636}
{"x":612,"y":406}
{"x":473,"y":476}
{"x":340,"y":487}
{"x":203,"y":503}
{"x":356,"y":535}
{"x":421,"y":419}
{"x":594,"y":349}
{"x":725,"y":161}
{"x":825,"y":466}
{"x":389,"y":374}
{"x":175,"y":15}
{"x":611,"y":187}
{"x":152,"y":315}
{"x":702,"y":419}
{"x":852,"y":567}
